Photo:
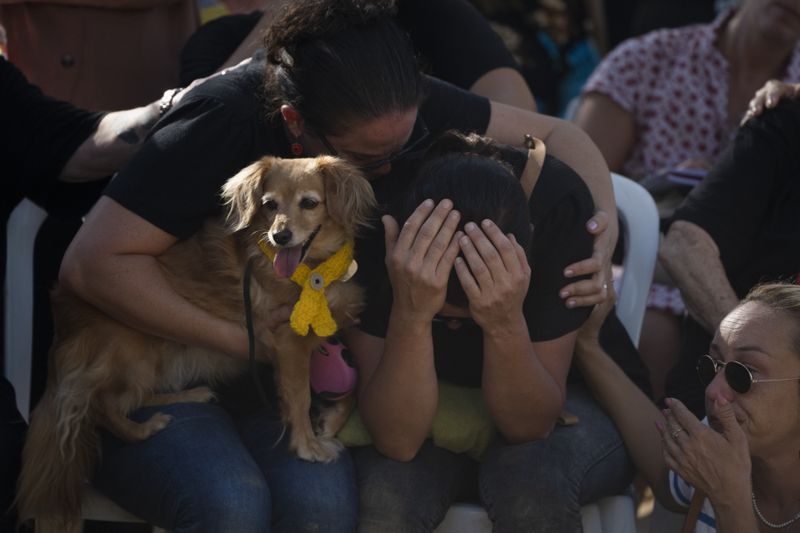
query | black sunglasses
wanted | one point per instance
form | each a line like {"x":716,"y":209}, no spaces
{"x":418,"y":135}
{"x":737,"y":375}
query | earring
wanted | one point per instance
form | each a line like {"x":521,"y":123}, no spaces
{"x":297,"y":148}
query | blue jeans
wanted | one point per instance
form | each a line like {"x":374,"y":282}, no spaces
{"x":536,"y":486}
{"x":207,"y":472}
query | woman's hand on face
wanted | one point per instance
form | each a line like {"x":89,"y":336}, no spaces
{"x":420,"y":256}
{"x":594,"y":290}
{"x":494,"y":273}
{"x":717,"y":463}
{"x":768,"y":97}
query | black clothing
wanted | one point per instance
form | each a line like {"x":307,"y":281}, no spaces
{"x":222,"y":126}
{"x":559,"y":206}
{"x":440,"y":30}
{"x":38,"y":137}
{"x":750,"y":205}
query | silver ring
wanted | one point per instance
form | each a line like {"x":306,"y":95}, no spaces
{"x":605,"y":286}
{"x":676,"y":433}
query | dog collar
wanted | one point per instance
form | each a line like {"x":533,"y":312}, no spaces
{"x":312,"y":310}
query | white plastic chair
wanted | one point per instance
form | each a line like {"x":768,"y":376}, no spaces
{"x":639,"y":217}
{"x":21,"y":230}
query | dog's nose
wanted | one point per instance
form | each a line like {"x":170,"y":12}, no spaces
{"x":282,"y":237}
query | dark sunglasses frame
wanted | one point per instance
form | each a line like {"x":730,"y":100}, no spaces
{"x":737,"y":375}
{"x":418,"y":134}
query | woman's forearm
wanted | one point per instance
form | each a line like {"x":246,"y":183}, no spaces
{"x":111,"y":263}
{"x":521,"y":395}
{"x":399,"y":422}
{"x":565,"y":141}
{"x":632,"y":411}
{"x":691,"y":257}
{"x":133,"y":289}
{"x":115,"y":140}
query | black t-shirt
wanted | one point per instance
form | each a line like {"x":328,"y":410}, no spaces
{"x":38,"y":136}
{"x":750,"y":205}
{"x":443,"y":32}
{"x":750,"y":202}
{"x":559,"y":207}
{"x":221,"y":127}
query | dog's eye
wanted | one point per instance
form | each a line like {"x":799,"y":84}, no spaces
{"x":272,"y":205}
{"x":309,"y":203}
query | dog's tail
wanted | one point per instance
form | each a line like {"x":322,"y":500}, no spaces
{"x":60,"y":451}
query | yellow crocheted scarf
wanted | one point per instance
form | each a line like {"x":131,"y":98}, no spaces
{"x":312,"y":310}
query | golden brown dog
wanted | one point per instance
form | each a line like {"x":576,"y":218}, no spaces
{"x":100,"y":369}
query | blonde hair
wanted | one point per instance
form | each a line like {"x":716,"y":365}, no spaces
{"x":783,"y":298}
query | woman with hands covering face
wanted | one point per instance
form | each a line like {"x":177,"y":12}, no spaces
{"x":744,"y":458}
{"x":459,"y":302}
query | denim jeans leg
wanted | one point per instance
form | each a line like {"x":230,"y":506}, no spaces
{"x":408,"y":497}
{"x":306,"y":496}
{"x":540,"y":486}
{"x":194,"y":476}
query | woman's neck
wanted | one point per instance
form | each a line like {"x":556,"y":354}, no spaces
{"x":777,"y":480}
{"x":748,"y":50}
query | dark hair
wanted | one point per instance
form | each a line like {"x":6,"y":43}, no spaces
{"x":468,"y":171}
{"x":340,"y":62}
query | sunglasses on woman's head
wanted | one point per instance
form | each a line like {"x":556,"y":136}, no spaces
{"x":737,"y":375}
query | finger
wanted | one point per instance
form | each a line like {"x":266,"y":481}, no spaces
{"x":683,"y":416}
{"x":488,"y":252}
{"x":465,"y":277}
{"x":390,"y":231}
{"x":598,"y":223}
{"x":279,"y":316}
{"x":445,"y":264}
{"x":431,"y":227}
{"x":444,"y":237}
{"x":723,"y":411}
{"x":408,"y":233}
{"x":585,"y":292}
{"x":587,"y":267}
{"x":501,"y":246}
{"x":477,"y":266}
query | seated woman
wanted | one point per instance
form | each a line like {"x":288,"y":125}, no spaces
{"x":675,"y":98}
{"x":742,"y":460}
{"x":458,"y":303}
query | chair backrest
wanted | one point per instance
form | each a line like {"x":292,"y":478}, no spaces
{"x":21,"y":230}
{"x":639,"y":227}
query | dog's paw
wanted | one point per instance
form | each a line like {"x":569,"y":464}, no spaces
{"x":318,"y":449}
{"x":155,"y":423}
{"x":198,"y":394}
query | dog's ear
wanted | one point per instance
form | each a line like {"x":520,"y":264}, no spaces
{"x":348,"y":195}
{"x":242,"y":194}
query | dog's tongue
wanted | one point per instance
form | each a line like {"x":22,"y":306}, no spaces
{"x":286,"y":261}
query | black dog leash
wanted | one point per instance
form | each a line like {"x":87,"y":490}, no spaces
{"x":251,"y":336}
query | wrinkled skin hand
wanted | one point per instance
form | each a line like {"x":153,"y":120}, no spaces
{"x":594,"y":290}
{"x":494,"y":273}
{"x":768,"y":97}
{"x":705,"y":457}
{"x":420,"y":256}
